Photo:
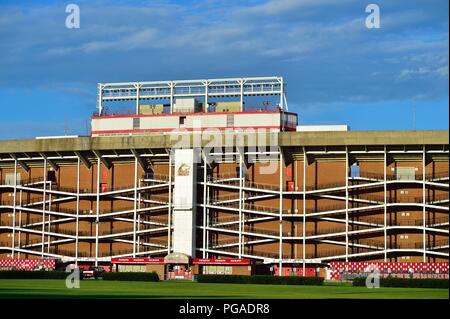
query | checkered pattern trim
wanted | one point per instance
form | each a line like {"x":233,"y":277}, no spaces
{"x":27,"y":264}
{"x":387,"y":267}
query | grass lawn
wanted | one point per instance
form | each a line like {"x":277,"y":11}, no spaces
{"x":40,"y":288}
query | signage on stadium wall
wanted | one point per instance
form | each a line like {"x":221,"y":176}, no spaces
{"x":224,"y":261}
{"x":137,"y":260}
{"x":293,"y":261}
{"x":407,"y":269}
{"x":27,"y":264}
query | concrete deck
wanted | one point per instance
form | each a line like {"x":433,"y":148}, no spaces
{"x":284,"y":139}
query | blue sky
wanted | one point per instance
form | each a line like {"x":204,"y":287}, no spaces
{"x":337,"y":71}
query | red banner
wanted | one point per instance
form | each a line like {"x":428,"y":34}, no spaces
{"x":224,"y":261}
{"x":137,"y":260}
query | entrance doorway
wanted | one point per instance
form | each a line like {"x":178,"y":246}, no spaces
{"x":179,"y":272}
{"x":178,"y":266}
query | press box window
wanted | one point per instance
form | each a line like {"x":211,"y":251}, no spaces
{"x":405,"y":173}
{"x":230,"y":120}
{"x":355,"y":171}
{"x":9,"y":179}
{"x":136,"y":123}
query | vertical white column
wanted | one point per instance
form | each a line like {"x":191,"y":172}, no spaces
{"x":423,"y":204}
{"x":385,"y":202}
{"x":204,"y":207}
{"x":171,"y":96}
{"x":207,"y":222}
{"x":304,"y":211}
{"x":242,"y":94}
{"x":13,"y":241}
{"x":78,"y":211}
{"x":294,"y":174}
{"x":138,"y":89}
{"x":100,"y":99}
{"x":280,"y":253}
{"x":169,"y":217}
{"x":206,"y":95}
{"x":281,"y":93}
{"x":97,"y":210}
{"x":43,"y":207}
{"x":240,"y":206}
{"x":20,"y":223}
{"x":139,"y":220}
{"x":346,"y":203}
{"x":49,"y":218}
{"x":135,"y":203}
{"x":243,"y":207}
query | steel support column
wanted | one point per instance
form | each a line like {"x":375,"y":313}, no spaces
{"x":135,"y":204}
{"x":43,"y":207}
{"x":171,"y":97}
{"x":19,"y":244}
{"x":97,"y":210}
{"x":207,"y":222}
{"x":13,"y":241}
{"x":241,"y":82}
{"x":78,"y":212}
{"x":240,"y":206}
{"x":385,"y":202}
{"x":346,"y":202}
{"x":304,"y":213}
{"x":139,"y":221}
{"x":280,"y":252}
{"x":49,"y":218}
{"x":424,"y":238}
{"x":169,"y":218}
{"x":204,"y":207}
{"x":138,"y":89}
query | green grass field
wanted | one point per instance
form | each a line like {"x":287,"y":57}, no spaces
{"x":37,"y":288}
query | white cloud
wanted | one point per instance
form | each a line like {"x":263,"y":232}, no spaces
{"x":320,"y":46}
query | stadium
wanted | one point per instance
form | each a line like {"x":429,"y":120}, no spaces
{"x":200,"y":178}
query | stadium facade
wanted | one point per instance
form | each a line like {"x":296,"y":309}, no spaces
{"x":217,"y":180}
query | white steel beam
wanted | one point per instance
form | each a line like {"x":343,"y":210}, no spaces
{"x":100,"y":99}
{"x":104,"y":161}
{"x":78,"y":211}
{"x":97,"y":208}
{"x":44,"y":194}
{"x":49,"y":216}
{"x":49,"y":161}
{"x":21,"y":163}
{"x":83,"y":159}
{"x":304,"y":212}
{"x":346,"y":201}
{"x":136,"y":161}
{"x":169,"y":218}
{"x":424,"y":238}
{"x":385,"y":202}
{"x":20,"y":223}
{"x":280,"y":253}
{"x":13,"y":242}
{"x":141,"y":162}
{"x":204,"y":206}
{"x":207,"y":222}
{"x":240,"y":206}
